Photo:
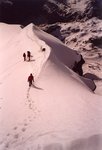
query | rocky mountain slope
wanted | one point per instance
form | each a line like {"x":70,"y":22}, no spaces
{"x":48,"y":11}
{"x":69,"y":10}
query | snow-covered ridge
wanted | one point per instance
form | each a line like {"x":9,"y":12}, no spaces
{"x":58,"y":109}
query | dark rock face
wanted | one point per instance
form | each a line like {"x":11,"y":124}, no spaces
{"x":70,"y":10}
{"x":98,"y":8}
{"x":20,"y":11}
{"x":96,"y":41}
{"x":51,"y":28}
{"x":48,"y":11}
{"x":78,"y":66}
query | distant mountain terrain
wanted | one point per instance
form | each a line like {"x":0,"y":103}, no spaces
{"x":49,"y":11}
{"x":70,"y":10}
{"x":20,"y":11}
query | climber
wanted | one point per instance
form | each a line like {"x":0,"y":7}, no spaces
{"x":24,"y":56}
{"x":28,"y":55}
{"x":43,"y":49}
{"x":30,"y":79}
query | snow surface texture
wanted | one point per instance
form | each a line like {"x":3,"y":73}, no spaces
{"x":59,"y":112}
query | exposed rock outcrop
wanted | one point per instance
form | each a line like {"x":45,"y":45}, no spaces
{"x":71,"y":10}
{"x":78,"y":66}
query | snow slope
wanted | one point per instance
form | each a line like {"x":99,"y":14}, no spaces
{"x":59,"y":112}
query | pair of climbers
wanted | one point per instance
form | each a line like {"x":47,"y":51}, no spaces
{"x":28,"y":56}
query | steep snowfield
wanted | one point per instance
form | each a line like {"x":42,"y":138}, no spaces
{"x":59,"y":112}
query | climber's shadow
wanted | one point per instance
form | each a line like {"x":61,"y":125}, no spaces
{"x":32,"y":60}
{"x":38,"y":88}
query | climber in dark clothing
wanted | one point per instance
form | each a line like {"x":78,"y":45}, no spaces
{"x":24,"y":56}
{"x":30,"y":79}
{"x":28,"y":55}
{"x":43,"y":49}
